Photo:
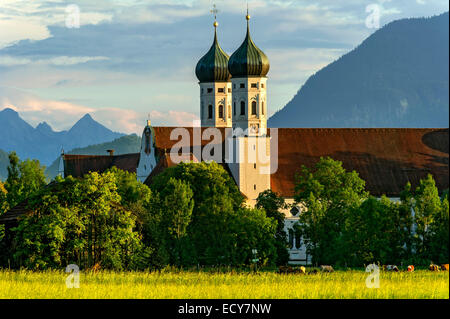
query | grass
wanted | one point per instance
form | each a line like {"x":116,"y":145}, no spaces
{"x":202,"y":285}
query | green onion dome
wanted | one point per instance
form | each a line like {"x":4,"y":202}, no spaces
{"x":248,"y":60}
{"x":213,"y":66}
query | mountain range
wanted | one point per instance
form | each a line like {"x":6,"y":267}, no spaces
{"x":397,"y":77}
{"x":42,"y":142}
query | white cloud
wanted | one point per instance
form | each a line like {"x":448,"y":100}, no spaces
{"x":62,"y":115}
{"x":7,"y":60}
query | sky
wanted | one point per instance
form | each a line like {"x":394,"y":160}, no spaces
{"x":123,"y":61}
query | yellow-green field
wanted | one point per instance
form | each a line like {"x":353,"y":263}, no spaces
{"x":202,"y":285}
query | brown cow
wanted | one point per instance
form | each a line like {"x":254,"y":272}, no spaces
{"x":444,"y":267}
{"x":326,"y":268}
{"x":433,"y":267}
{"x":411,"y":268}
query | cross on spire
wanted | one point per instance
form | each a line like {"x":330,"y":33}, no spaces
{"x":214,"y":11}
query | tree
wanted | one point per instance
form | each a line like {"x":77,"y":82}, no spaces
{"x":3,"y":199}
{"x":328,"y":192}
{"x":427,"y":207}
{"x":252,"y":229}
{"x":221,"y":231}
{"x":176,"y":206}
{"x":77,"y":221}
{"x":272,"y":203}
{"x":372,"y":233}
{"x":439,"y":242}
{"x":24,"y":179}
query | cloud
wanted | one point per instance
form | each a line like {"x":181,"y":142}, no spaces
{"x":7,"y":60}
{"x":140,"y":56}
{"x":62,"y":115}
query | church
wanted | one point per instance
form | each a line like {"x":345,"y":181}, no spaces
{"x":234,"y":133}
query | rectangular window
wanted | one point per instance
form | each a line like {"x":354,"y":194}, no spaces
{"x":242,"y":85}
{"x":254,"y":165}
{"x":229,"y":90}
{"x":210,"y":90}
{"x":221,"y":90}
{"x":254,"y":85}
{"x":262,"y":85}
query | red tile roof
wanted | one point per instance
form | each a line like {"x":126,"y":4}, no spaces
{"x":78,"y":165}
{"x":385,"y":158}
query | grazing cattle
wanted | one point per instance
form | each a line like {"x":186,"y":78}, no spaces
{"x":290,"y":270}
{"x":433,"y":267}
{"x":444,"y":267}
{"x":326,"y":268}
{"x":390,"y":268}
{"x":411,"y":268}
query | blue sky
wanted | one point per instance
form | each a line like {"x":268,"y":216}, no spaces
{"x":131,"y":58}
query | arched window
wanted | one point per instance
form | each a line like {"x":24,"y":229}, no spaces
{"x":229,"y":111}
{"x":210,"y":111}
{"x":234,"y":108}
{"x":262,"y":108}
{"x":242,"y":108}
{"x":221,"y":112}
{"x":254,"y":108}
{"x":297,"y":240}
{"x":291,"y":238}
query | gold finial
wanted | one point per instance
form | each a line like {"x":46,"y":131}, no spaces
{"x":247,"y":16}
{"x":149,"y":123}
{"x":216,"y":24}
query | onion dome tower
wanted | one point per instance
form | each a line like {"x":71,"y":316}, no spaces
{"x":215,"y":86}
{"x":249,"y":67}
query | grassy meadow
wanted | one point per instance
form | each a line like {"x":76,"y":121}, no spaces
{"x":205,"y":285}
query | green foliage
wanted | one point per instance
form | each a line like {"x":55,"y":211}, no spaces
{"x":342,"y":226}
{"x":24,"y":179}
{"x":329,"y":192}
{"x":77,"y":221}
{"x":219,"y":223}
{"x":427,"y":207}
{"x":3,"y":199}
{"x":272,"y":203}
{"x":374,"y":232}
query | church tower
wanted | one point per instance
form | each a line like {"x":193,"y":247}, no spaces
{"x":251,"y":145}
{"x":248,"y":67}
{"x":147,"y":158}
{"x":215,"y":86}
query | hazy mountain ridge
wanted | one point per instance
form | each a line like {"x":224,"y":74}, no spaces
{"x":397,"y":77}
{"x":42,"y":142}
